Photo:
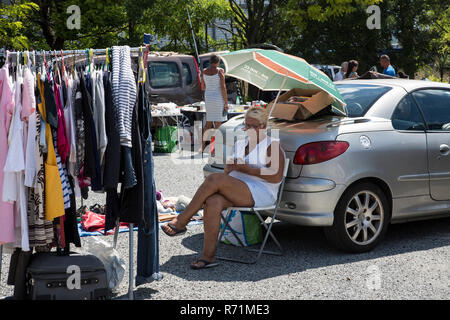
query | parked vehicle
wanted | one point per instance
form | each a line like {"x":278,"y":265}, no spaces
{"x":387,"y":162}
{"x":173,"y":78}
{"x":329,"y":70}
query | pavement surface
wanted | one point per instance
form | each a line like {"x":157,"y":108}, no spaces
{"x":413,"y":261}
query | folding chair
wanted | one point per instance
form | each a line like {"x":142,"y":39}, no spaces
{"x":268,"y":228}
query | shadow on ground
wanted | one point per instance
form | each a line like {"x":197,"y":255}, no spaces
{"x":307,"y":248}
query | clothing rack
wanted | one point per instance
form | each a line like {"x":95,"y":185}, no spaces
{"x":55,"y":54}
{"x":71,"y":52}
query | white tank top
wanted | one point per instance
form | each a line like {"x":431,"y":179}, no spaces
{"x":257,"y":158}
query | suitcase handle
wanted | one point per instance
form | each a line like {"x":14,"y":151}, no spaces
{"x":63,"y":283}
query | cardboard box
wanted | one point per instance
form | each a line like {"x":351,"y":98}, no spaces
{"x":317,"y":101}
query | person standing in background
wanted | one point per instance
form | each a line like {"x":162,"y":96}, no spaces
{"x":385,"y":62}
{"x":340,"y":75}
{"x":216,"y":102}
{"x":351,"y":70}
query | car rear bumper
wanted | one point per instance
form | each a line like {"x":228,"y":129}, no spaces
{"x":305,"y":201}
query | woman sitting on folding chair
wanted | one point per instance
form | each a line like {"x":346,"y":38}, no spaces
{"x":251,"y":180}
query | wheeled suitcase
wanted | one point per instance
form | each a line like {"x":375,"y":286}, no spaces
{"x":66,"y":277}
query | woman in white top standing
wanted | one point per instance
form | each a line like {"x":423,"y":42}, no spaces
{"x":216,"y":101}
{"x":251,"y":180}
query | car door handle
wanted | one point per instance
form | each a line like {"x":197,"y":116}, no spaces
{"x":444,"y":149}
{"x":154,"y":96}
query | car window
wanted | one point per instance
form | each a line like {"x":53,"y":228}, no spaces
{"x":187,"y":74}
{"x":360,"y":97}
{"x":164,"y":75}
{"x":407,"y":116}
{"x":435,"y":105}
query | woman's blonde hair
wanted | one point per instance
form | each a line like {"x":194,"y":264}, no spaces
{"x":257,"y":113}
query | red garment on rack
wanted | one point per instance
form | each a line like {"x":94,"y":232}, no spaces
{"x":63,"y":141}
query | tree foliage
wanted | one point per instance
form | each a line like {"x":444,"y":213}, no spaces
{"x":322,"y":31}
{"x":12,"y":26}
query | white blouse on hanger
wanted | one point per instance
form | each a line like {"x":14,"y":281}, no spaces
{"x":15,"y":174}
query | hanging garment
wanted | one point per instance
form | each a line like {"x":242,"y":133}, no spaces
{"x":124,"y":92}
{"x":28,"y":109}
{"x":51,"y":110}
{"x":29,"y":118}
{"x":132,"y":199}
{"x":40,"y":231}
{"x":6,"y":111}
{"x":99,"y":116}
{"x":148,"y":243}
{"x":70,"y":222}
{"x":91,"y":157}
{"x":14,"y":176}
{"x":129,"y":206}
{"x":63,"y":143}
{"x":54,"y":201}
{"x":111,"y":171}
{"x":69,"y":118}
{"x":83,"y":181}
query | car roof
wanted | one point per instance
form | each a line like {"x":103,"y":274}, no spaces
{"x":165,"y":54}
{"x":210,"y":53}
{"x":407,"y":84}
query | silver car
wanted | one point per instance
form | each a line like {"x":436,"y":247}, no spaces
{"x":387,"y":162}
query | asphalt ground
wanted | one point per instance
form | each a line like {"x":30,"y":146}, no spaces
{"x":413,"y":261}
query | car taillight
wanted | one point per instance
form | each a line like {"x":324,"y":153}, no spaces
{"x":317,"y":152}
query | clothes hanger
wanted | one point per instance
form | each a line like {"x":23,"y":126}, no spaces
{"x":88,"y":65}
{"x":107,"y":60}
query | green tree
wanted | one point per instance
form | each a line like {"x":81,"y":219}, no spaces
{"x":341,"y":37}
{"x":12,"y":26}
{"x":169,"y":20}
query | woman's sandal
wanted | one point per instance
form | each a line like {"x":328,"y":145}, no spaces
{"x":177,"y":232}
{"x":206,"y":264}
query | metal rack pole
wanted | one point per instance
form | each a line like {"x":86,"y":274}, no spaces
{"x":131,"y":273}
{"x":69,"y":52}
{"x":1,"y":256}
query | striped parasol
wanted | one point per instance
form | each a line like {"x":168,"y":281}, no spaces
{"x":272,"y":70}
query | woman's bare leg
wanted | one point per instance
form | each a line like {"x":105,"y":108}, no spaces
{"x":211,"y":224}
{"x":208,"y":126}
{"x":234,"y":190}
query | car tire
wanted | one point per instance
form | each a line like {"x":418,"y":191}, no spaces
{"x":361,"y":219}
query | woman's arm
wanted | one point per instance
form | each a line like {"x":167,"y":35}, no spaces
{"x":272,"y":174}
{"x":202,"y":81}
{"x":224,"y":88}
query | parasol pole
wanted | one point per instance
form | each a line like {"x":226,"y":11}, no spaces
{"x":278,"y":95}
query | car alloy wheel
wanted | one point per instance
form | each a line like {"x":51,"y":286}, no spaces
{"x":364,"y":217}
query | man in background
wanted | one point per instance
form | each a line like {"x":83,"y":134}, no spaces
{"x":340,"y":75}
{"x":385,"y":62}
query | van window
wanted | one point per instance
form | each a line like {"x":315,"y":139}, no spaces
{"x":164,"y":75}
{"x":187,"y":74}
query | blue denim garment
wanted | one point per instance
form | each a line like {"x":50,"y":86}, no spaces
{"x":148,"y":243}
